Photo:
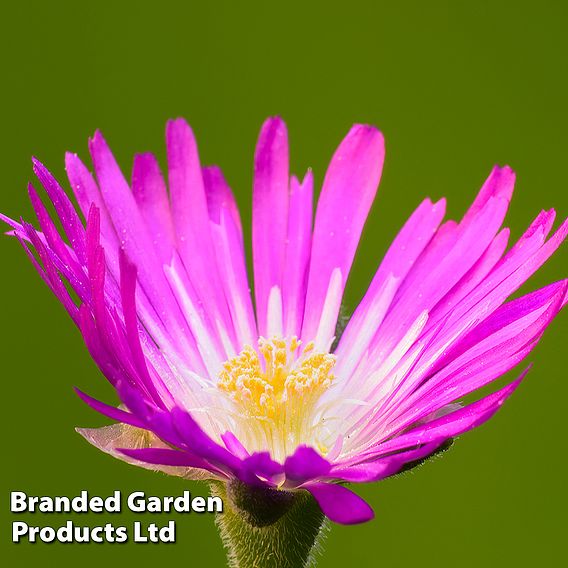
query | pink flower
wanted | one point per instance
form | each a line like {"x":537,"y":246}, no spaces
{"x":275,"y":396}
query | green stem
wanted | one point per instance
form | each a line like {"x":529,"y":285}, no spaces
{"x":268,"y":528}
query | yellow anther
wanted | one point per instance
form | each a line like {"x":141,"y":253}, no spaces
{"x":309,"y":347}
{"x":275,"y":388}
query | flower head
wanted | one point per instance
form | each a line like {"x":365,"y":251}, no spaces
{"x":273,"y":395}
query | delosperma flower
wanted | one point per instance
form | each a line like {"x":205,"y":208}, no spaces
{"x":262,"y":390}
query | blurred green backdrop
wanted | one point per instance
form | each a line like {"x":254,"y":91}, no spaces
{"x":455,"y":87}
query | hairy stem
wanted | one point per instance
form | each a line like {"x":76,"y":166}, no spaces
{"x":268,"y":528}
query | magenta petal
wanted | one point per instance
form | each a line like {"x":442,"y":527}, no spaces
{"x":52,"y":276}
{"x":137,"y":242}
{"x":110,"y":411}
{"x":449,"y":256}
{"x":455,"y":423}
{"x":191,"y":219}
{"x":384,"y":467}
{"x":200,"y":443}
{"x":339,"y":504}
{"x":348,"y":191}
{"x":219,"y":196}
{"x":88,"y":196}
{"x":67,"y":262}
{"x":500,"y":183}
{"x":269,"y":214}
{"x":227,"y":237}
{"x":305,"y":464}
{"x":70,"y":220}
{"x":151,"y":195}
{"x":298,"y":247}
{"x":127,"y":289}
{"x":366,"y":473}
{"x":160,"y":422}
{"x":398,"y":261}
{"x":233,"y":444}
{"x":259,"y":464}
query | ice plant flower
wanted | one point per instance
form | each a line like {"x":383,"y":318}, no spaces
{"x":268,"y":399}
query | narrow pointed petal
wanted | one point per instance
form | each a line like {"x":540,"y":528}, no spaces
{"x":199,"y":442}
{"x":151,"y":195}
{"x":220,"y":197}
{"x":449,"y":256}
{"x":269,"y":213}
{"x":233,"y":444}
{"x":298,"y":246}
{"x":226,"y":233}
{"x":372,"y":471}
{"x":398,"y":261}
{"x":452,"y":424}
{"x":70,"y":220}
{"x":191,"y":218}
{"x":110,"y":411}
{"x":88,"y":194}
{"x":348,"y":191}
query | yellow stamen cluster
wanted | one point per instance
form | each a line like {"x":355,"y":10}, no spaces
{"x":274,"y":389}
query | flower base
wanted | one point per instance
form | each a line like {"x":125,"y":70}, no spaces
{"x":268,"y":528}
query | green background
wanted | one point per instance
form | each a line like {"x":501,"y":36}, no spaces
{"x":454,"y":86}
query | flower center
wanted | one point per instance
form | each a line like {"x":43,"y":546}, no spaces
{"x":274,"y":390}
